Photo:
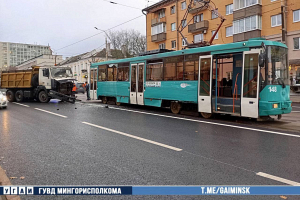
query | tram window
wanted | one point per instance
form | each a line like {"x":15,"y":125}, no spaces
{"x":179,"y":71}
{"x":170,"y":68}
{"x":155,"y":70}
{"x":102,"y":73}
{"x":123,"y":72}
{"x":112,"y":72}
{"x":250,"y":75}
{"x":189,"y":70}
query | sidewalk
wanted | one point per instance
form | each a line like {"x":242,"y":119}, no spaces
{"x":83,"y":99}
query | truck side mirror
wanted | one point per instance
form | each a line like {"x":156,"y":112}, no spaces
{"x":46,"y":72}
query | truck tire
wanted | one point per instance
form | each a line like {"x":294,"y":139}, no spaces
{"x":10,"y":96}
{"x":43,"y":97}
{"x":35,"y":80}
{"x":19,"y":96}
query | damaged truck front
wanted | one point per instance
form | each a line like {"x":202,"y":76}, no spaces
{"x":39,"y":83}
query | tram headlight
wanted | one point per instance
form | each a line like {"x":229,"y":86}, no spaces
{"x":275,"y":105}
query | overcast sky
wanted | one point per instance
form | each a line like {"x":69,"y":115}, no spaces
{"x":63,"y":22}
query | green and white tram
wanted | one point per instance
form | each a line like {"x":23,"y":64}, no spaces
{"x":247,"y":79}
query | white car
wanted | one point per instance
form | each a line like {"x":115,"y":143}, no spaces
{"x":3,"y":100}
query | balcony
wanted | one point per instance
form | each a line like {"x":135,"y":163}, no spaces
{"x":199,"y":26}
{"x":246,"y":35}
{"x":158,"y":37}
{"x":197,"y":8}
{"x":156,"y":21}
{"x":247,"y":12}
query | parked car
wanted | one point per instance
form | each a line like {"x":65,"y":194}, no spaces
{"x":80,"y":88}
{"x":3,"y":100}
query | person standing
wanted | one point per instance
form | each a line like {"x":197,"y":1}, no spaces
{"x":87,"y":89}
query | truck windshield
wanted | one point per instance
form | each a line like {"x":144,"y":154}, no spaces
{"x":61,"y":72}
{"x":277,"y":66}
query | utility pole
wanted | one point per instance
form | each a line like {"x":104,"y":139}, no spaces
{"x":283,"y":21}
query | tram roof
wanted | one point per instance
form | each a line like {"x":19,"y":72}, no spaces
{"x":214,"y":49}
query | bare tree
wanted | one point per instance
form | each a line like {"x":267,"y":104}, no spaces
{"x":127,"y":42}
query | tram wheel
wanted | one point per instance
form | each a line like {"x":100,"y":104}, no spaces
{"x":206,"y":115}
{"x":176,"y":107}
{"x":118,"y":103}
{"x":104,"y":100}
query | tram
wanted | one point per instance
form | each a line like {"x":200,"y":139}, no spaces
{"x":247,"y":79}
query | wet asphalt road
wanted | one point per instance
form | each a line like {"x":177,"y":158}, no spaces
{"x":61,"y":150}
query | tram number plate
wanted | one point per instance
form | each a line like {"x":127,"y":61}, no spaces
{"x":153,"y":84}
{"x":273,"y":89}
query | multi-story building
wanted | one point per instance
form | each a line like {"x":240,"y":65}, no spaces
{"x":80,"y":64}
{"x":12,"y":54}
{"x":245,"y":19}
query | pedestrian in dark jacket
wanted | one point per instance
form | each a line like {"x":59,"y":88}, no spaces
{"x":87,"y":89}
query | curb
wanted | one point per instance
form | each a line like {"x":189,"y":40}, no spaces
{"x":5,"y":181}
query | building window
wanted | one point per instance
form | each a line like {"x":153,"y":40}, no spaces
{"x":160,"y":28}
{"x":213,"y":14}
{"x":162,"y":46}
{"x":229,"y":31}
{"x":198,"y":38}
{"x":217,"y":35}
{"x":239,"y":4}
{"x":198,"y":18}
{"x":273,"y":0}
{"x":247,"y":24}
{"x":173,"y":44}
{"x":229,"y":9}
{"x":276,"y":20}
{"x":183,"y":23}
{"x":161,"y":13}
{"x":183,"y":42}
{"x":296,"y":15}
{"x":296,"y":42}
{"x":172,"y":10}
{"x":183,"y":5}
{"x":173,"y":27}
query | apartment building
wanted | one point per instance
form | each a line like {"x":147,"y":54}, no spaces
{"x":245,"y":19}
{"x":13,"y":54}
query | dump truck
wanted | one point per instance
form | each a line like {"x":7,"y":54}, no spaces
{"x":39,"y":83}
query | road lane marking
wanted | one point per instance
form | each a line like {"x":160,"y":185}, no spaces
{"x":276,"y":178}
{"x":21,"y":104}
{"x":296,"y":111}
{"x":295,"y":106}
{"x":135,"y":137}
{"x":208,"y":122}
{"x":46,"y":111}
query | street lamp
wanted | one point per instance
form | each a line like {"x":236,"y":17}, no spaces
{"x":106,"y":36}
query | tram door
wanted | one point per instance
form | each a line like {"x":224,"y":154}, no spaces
{"x":204,"y":84}
{"x":250,"y":89}
{"x":93,"y":84}
{"x":137,"y":84}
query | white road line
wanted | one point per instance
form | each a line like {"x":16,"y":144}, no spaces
{"x":295,"y":106}
{"x":51,"y":112}
{"x":135,"y":137}
{"x":276,"y":178}
{"x":208,"y":122}
{"x":21,"y":104}
{"x":296,"y":111}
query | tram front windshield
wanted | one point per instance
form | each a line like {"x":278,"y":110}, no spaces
{"x":277,"y":66}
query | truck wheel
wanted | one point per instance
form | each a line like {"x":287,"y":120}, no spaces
{"x":43,"y":97}
{"x":10,"y":96}
{"x":19,"y":96}
{"x":175,"y":107}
